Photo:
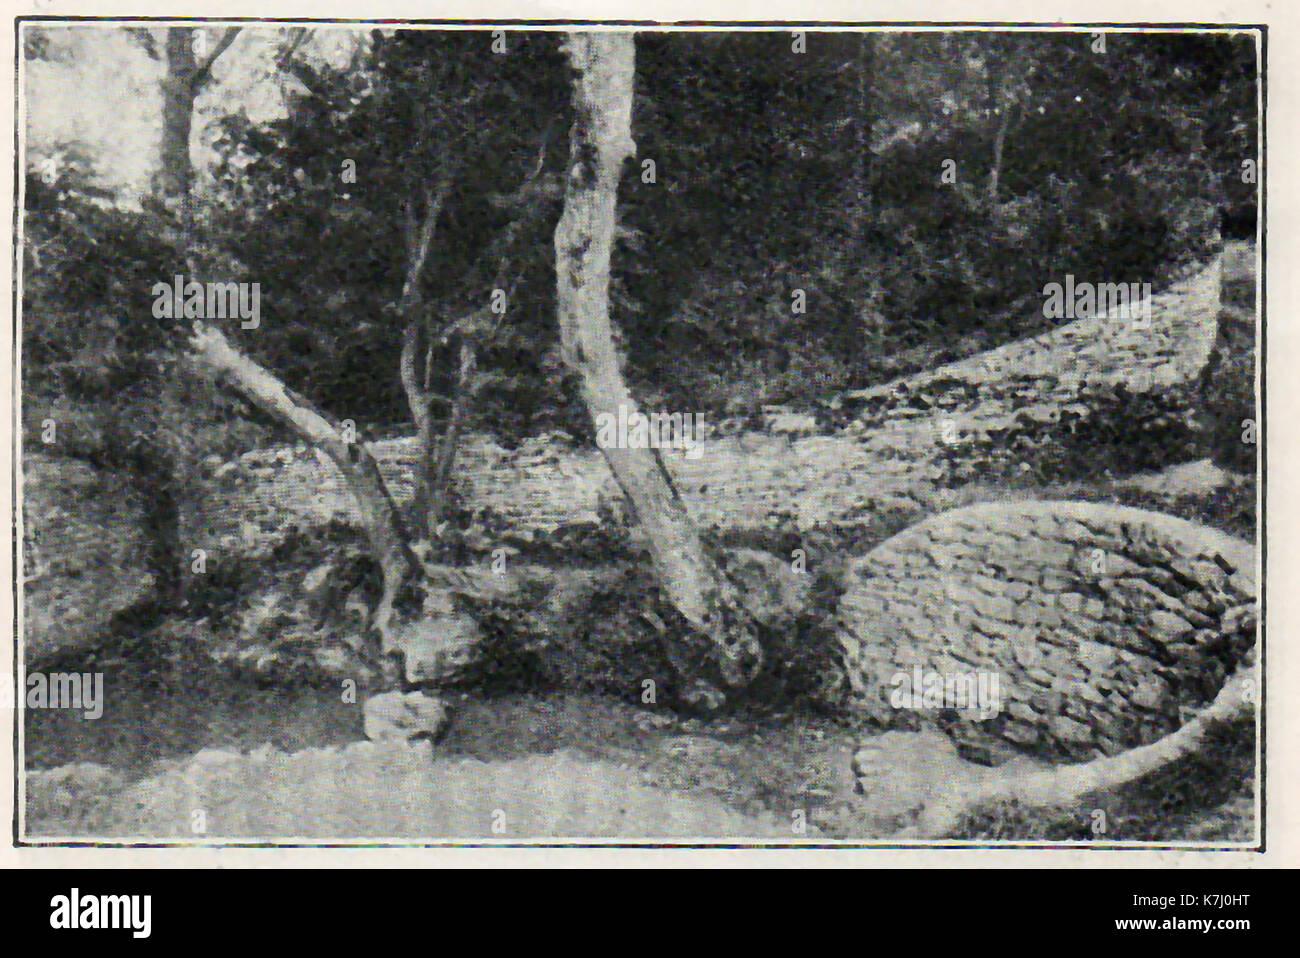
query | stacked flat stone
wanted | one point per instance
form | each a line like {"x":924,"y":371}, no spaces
{"x":909,"y":436}
{"x":1103,"y":623}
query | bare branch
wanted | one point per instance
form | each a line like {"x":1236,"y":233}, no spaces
{"x":419,"y":255}
{"x":144,"y":37}
{"x":203,"y":72}
{"x":535,"y":187}
{"x":410,"y":229}
{"x":416,"y":398}
{"x":297,"y":36}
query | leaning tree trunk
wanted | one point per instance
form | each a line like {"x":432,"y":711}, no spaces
{"x":600,"y":141}
{"x":379,"y":516}
{"x":186,"y":77}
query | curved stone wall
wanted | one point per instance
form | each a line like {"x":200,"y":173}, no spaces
{"x":1097,"y":624}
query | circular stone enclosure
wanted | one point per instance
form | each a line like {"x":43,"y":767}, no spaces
{"x":1092,"y":627}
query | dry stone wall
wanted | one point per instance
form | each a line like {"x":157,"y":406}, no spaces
{"x":906,"y":439}
{"x":1102,"y":623}
{"x":903,"y":441}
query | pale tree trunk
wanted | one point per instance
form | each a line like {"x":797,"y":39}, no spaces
{"x":186,"y":77}
{"x":379,"y":515}
{"x":418,"y":243}
{"x":600,"y":141}
{"x":999,"y":100}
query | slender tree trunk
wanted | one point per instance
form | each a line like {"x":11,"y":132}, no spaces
{"x":440,"y":481}
{"x":863,"y":157}
{"x":998,"y":101}
{"x":600,"y":141}
{"x":995,"y":171}
{"x":418,"y":398}
{"x":470,"y":332}
{"x":179,"y":93}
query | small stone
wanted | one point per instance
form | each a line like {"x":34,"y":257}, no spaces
{"x":1168,"y":627}
{"x":646,"y":721}
{"x":1019,"y":710}
{"x":703,"y":696}
{"x":995,"y":607}
{"x":332,"y":659}
{"x":438,"y":647}
{"x":1016,"y":591}
{"x":1095,"y":656}
{"x":1019,"y":733}
{"x":1049,"y":617}
{"x":1069,"y":731}
{"x":1149,"y":692}
{"x":791,"y":424}
{"x":402,"y":716}
{"x":316,"y":583}
{"x":1240,"y":619}
{"x":1054,"y":581}
{"x":1027,"y":653}
{"x":692,"y":747}
{"x":214,"y":756}
{"x":1089,"y":693}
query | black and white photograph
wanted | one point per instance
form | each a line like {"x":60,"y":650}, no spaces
{"x":450,"y":434}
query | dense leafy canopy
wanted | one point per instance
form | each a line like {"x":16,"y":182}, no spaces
{"x":773,"y":171}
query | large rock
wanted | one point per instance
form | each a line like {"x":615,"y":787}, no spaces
{"x":438,"y":648}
